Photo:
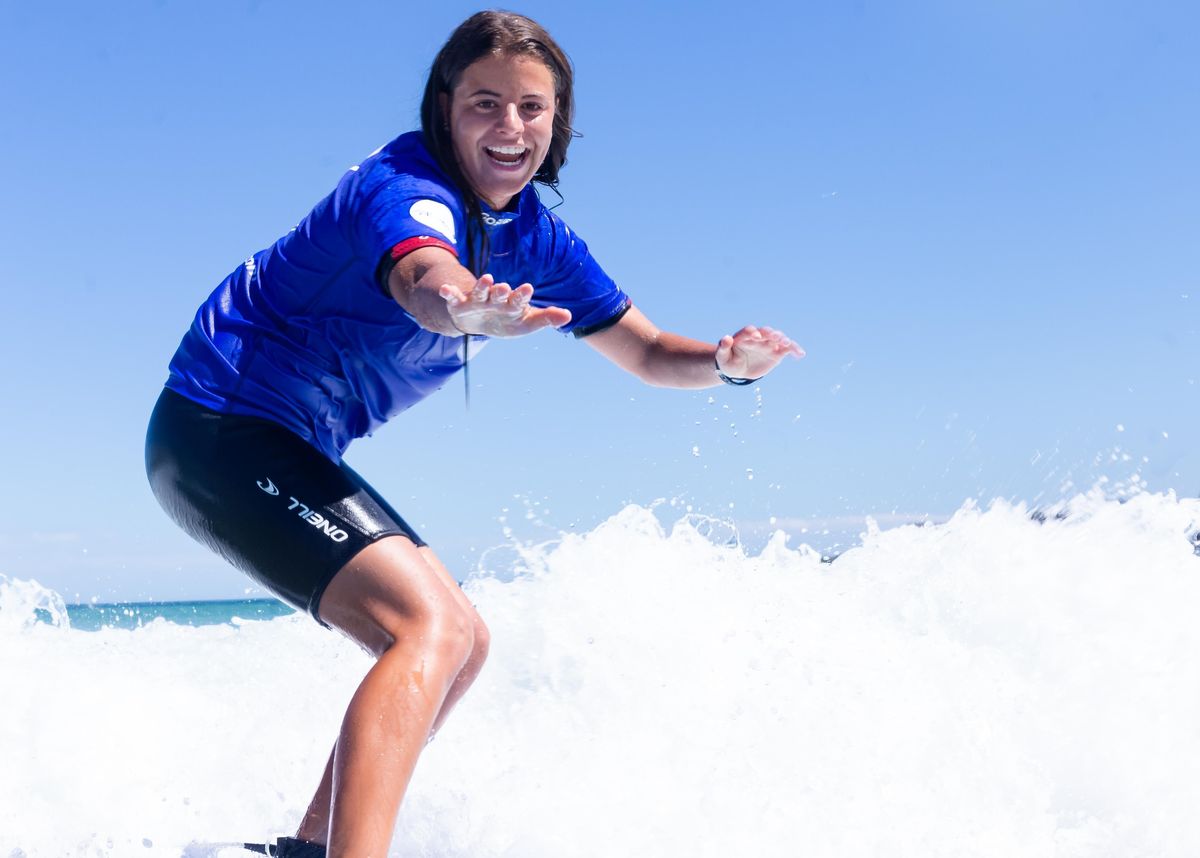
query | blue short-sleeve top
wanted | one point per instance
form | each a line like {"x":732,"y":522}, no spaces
{"x":304,"y":333}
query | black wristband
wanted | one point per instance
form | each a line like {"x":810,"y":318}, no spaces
{"x":737,"y":382}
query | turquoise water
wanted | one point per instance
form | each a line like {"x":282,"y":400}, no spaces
{"x":131,"y":615}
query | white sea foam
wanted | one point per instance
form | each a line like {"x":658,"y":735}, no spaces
{"x":990,"y":686}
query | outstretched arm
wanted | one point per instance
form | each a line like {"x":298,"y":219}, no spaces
{"x":446,"y":298}
{"x":664,"y":359}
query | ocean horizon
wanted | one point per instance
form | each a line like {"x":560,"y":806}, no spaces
{"x":93,"y":616}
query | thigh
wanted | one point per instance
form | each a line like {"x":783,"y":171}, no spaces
{"x":263,"y":498}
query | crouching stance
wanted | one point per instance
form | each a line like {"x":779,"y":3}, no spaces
{"x":378,"y":297}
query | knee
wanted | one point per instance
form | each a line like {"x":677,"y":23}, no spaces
{"x":482,"y":642}
{"x":445,"y":632}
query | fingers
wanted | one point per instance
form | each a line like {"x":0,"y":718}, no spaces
{"x":455,"y":296}
{"x":501,"y":296}
{"x":754,"y":351}
{"x":482,"y":286}
{"x":485,"y":290}
{"x":552,"y":317}
{"x":521,"y":296}
{"x":764,"y":339}
{"x":724,"y":350}
{"x":452,"y":294}
{"x":781,"y":343}
{"x":518,"y":299}
{"x":543,"y":317}
{"x":487,"y":293}
{"x":497,"y":310}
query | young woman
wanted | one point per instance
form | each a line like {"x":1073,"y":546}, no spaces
{"x":365,"y":308}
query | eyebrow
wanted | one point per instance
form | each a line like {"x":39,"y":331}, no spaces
{"x":495,"y":94}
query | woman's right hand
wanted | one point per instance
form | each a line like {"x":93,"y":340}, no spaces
{"x":495,"y":310}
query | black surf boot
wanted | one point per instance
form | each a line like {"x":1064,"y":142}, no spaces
{"x":289,"y":847}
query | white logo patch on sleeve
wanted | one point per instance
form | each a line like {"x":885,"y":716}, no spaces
{"x":434,"y":215}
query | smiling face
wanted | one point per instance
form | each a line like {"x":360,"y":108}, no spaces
{"x":501,"y":123}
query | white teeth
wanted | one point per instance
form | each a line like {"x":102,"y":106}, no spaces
{"x":507,"y":150}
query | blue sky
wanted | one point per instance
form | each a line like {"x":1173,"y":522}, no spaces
{"x":978,"y":218}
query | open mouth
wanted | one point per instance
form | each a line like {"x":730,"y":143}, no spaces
{"x":507,"y":156}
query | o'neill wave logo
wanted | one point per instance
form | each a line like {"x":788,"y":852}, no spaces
{"x":307,"y":513}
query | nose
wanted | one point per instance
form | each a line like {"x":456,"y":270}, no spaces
{"x":511,"y":119}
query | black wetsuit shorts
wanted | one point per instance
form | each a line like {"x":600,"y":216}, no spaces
{"x":263,"y":498}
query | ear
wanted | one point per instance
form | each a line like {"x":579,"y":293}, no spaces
{"x":444,"y":104}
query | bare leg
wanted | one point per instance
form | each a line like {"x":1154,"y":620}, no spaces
{"x":479,"y":652}
{"x":314,"y":827}
{"x":401,"y":604}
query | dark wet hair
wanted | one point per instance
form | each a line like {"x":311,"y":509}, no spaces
{"x":504,"y":34}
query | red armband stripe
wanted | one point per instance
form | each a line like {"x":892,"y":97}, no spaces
{"x":410,"y":244}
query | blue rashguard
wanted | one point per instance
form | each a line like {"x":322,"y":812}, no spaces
{"x":304,"y":334}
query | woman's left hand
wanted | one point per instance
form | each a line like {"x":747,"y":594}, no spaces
{"x":753,"y":352}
